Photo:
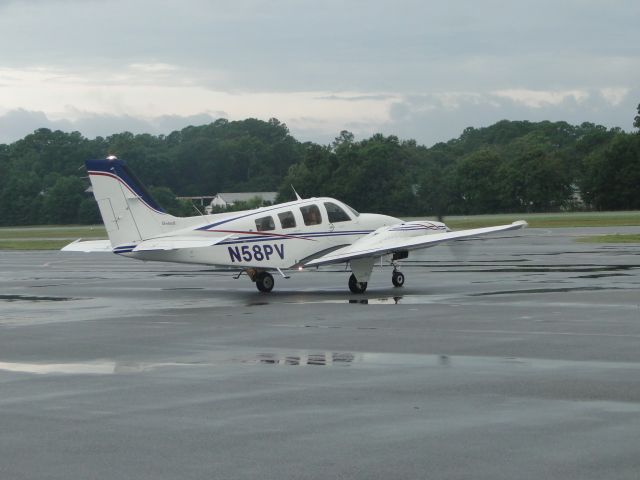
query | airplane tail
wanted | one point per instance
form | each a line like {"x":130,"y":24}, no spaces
{"x":128,"y":211}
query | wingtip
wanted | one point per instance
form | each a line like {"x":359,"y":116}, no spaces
{"x":520,"y":223}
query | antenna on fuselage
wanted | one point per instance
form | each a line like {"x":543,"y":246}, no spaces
{"x":294,"y":191}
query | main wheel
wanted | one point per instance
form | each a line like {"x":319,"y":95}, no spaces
{"x":355,"y":286}
{"x":264,"y":282}
{"x":397,"y":278}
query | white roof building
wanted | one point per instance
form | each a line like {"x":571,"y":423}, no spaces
{"x":226,"y":199}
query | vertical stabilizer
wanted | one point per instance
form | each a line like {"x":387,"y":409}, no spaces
{"x":128,"y":211}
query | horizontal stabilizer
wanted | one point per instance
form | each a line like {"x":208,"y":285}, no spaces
{"x":88,"y":246}
{"x":176,"y":243}
{"x":370,"y":246}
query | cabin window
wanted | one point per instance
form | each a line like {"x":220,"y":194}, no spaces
{"x":311,"y":215}
{"x":287,"y":220}
{"x":335,"y":213}
{"x":265,"y":223}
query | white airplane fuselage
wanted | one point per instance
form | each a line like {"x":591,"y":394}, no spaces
{"x":303,"y":233}
{"x":244,"y":246}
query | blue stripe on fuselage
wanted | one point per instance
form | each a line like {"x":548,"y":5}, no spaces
{"x":252,"y":239}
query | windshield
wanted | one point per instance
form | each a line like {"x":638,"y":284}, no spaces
{"x":355,"y":212}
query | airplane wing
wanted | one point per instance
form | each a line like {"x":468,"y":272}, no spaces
{"x":88,"y":246}
{"x":372,"y":246}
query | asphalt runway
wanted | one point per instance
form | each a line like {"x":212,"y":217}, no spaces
{"x":505,"y":358}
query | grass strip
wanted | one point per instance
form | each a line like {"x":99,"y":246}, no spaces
{"x":554,"y":220}
{"x":61,"y":232}
{"x":615,"y":238}
{"x":32,"y":244}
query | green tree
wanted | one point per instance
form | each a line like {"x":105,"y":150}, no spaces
{"x":614,"y":175}
{"x":535,"y":181}
{"x":88,"y":213}
{"x":20,"y":200}
{"x":61,"y":202}
{"x":167,"y":200}
{"x":507,"y":166}
{"x":479,"y":184}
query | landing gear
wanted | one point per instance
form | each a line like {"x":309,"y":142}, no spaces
{"x":355,"y":286}
{"x":397,"y":278}
{"x":264,"y":282}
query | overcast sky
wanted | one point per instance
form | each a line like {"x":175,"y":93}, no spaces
{"x":416,"y":69}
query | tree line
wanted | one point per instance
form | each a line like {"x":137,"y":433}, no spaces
{"x":511,"y":166}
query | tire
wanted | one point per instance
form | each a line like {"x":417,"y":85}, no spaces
{"x":355,"y":286}
{"x":397,"y":279}
{"x":265,"y":282}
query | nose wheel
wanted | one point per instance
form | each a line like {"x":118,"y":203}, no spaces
{"x":397,"y":278}
{"x":355,"y":286}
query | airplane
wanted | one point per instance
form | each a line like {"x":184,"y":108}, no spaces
{"x":289,"y":236}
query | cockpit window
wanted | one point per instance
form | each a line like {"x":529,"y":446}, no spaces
{"x":265,"y":223}
{"x":287,"y":220}
{"x":335,"y":213}
{"x":311,"y":215}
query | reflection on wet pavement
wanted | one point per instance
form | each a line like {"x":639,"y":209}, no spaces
{"x":324,"y":359}
{"x":106,"y":367}
{"x":377,"y":301}
{"x":301,"y":359}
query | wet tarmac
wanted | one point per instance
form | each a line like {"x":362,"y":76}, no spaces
{"x":512,"y":357}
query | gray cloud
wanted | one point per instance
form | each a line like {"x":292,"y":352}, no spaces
{"x":429,"y":119}
{"x":355,"y":98}
{"x":331,"y":45}
{"x":15,"y":124}
{"x":362,"y":50}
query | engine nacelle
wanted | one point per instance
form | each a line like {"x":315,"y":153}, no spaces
{"x":413,"y":229}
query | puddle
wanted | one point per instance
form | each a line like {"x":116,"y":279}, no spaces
{"x":376,"y":301}
{"x":111,"y":367}
{"x":282,"y":359}
{"x":97,"y":367}
{"x":33,"y":298}
{"x":390,"y":300}
{"x":339,"y":301}
{"x":69,"y":368}
{"x":303,"y":359}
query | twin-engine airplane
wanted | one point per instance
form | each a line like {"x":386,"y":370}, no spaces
{"x":288,"y":236}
